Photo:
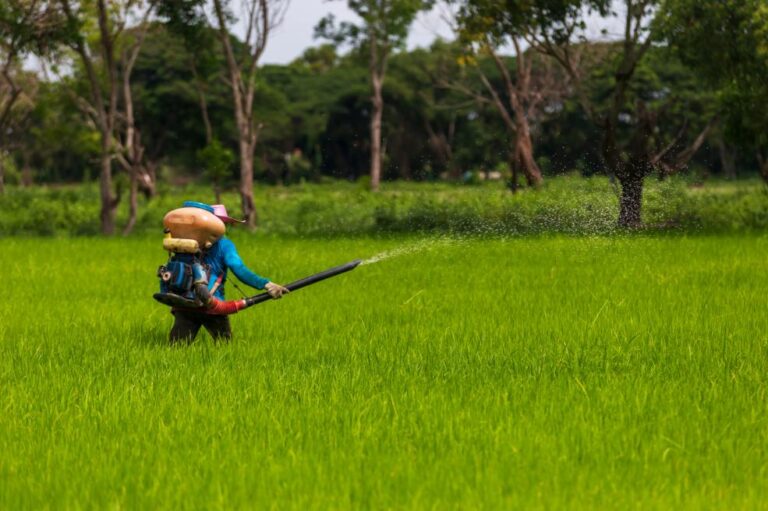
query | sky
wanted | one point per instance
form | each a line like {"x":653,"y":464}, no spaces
{"x":294,"y":35}
{"x":296,"y":32}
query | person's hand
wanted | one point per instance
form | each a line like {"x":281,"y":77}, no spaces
{"x":276,"y":291}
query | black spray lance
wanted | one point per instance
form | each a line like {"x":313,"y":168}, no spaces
{"x":219,"y":307}
{"x":306,"y":281}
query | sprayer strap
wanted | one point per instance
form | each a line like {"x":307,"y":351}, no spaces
{"x":240,"y":290}
{"x":217,"y":284}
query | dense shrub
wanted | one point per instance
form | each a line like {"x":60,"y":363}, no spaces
{"x":564,"y":205}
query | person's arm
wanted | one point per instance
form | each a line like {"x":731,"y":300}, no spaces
{"x":238,"y":267}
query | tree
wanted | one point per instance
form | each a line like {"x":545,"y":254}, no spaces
{"x":26,"y":26}
{"x":631,"y":149}
{"x":727,"y":43}
{"x":140,"y":171}
{"x":384,"y":28}
{"x":109,"y":79}
{"x":260,"y":18}
{"x":523,"y":91}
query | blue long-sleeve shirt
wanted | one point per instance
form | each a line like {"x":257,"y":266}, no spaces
{"x":223,"y":256}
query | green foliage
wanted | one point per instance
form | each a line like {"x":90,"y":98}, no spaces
{"x":726,"y":43}
{"x":166,"y":88}
{"x":11,"y":174}
{"x":60,"y":144}
{"x":30,"y":28}
{"x":569,"y":204}
{"x":387,"y":22}
{"x":298,"y":167}
{"x":217,"y":162}
{"x":661,"y":84}
{"x":545,"y":373}
{"x":320,"y":103}
{"x":552,"y":20}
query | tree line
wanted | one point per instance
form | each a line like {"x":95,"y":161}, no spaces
{"x":134,"y":90}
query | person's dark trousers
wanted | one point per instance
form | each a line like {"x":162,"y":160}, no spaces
{"x":188,"y":323}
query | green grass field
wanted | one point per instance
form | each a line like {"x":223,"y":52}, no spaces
{"x":555,"y":372}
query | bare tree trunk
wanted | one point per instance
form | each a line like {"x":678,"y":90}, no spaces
{"x":139,"y":176}
{"x":631,"y":202}
{"x":108,"y":202}
{"x":762,"y":162}
{"x":524,"y":153}
{"x":514,"y":181}
{"x":520,"y":101}
{"x":26,"y":171}
{"x":102,"y":111}
{"x":630,"y":176}
{"x":246,"y":183}
{"x":441,"y":145}
{"x":133,"y":204}
{"x":242,"y":95}
{"x":727,"y":159}
{"x":6,"y":106}
{"x":203,"y":102}
{"x":149,"y":183}
{"x":131,"y":143}
{"x":378,"y":110}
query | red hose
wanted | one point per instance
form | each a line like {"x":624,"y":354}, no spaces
{"x":224,"y":308}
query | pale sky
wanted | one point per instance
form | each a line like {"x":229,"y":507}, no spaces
{"x":295,"y":34}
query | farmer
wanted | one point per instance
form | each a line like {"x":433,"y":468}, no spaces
{"x":219,"y":257}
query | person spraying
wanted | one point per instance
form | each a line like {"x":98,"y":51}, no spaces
{"x":193,"y":279}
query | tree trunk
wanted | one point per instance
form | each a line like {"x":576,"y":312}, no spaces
{"x":514,"y":183}
{"x":631,"y":201}
{"x":514,"y":116}
{"x":762,"y":162}
{"x":26,"y":172}
{"x":440,"y":144}
{"x":2,"y":174}
{"x":246,"y":184}
{"x":202,"y":101}
{"x":242,"y":98}
{"x":133,"y":204}
{"x":148,"y":184}
{"x":378,"y":110}
{"x":727,"y":159}
{"x":108,"y":203}
{"x":524,"y":154}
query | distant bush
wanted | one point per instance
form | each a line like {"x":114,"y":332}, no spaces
{"x":568,"y":204}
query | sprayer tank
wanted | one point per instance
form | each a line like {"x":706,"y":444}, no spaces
{"x":194,"y":224}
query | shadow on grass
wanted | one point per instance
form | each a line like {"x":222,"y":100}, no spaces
{"x":156,"y":336}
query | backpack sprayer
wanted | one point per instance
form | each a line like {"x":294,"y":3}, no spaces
{"x":184,"y":278}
